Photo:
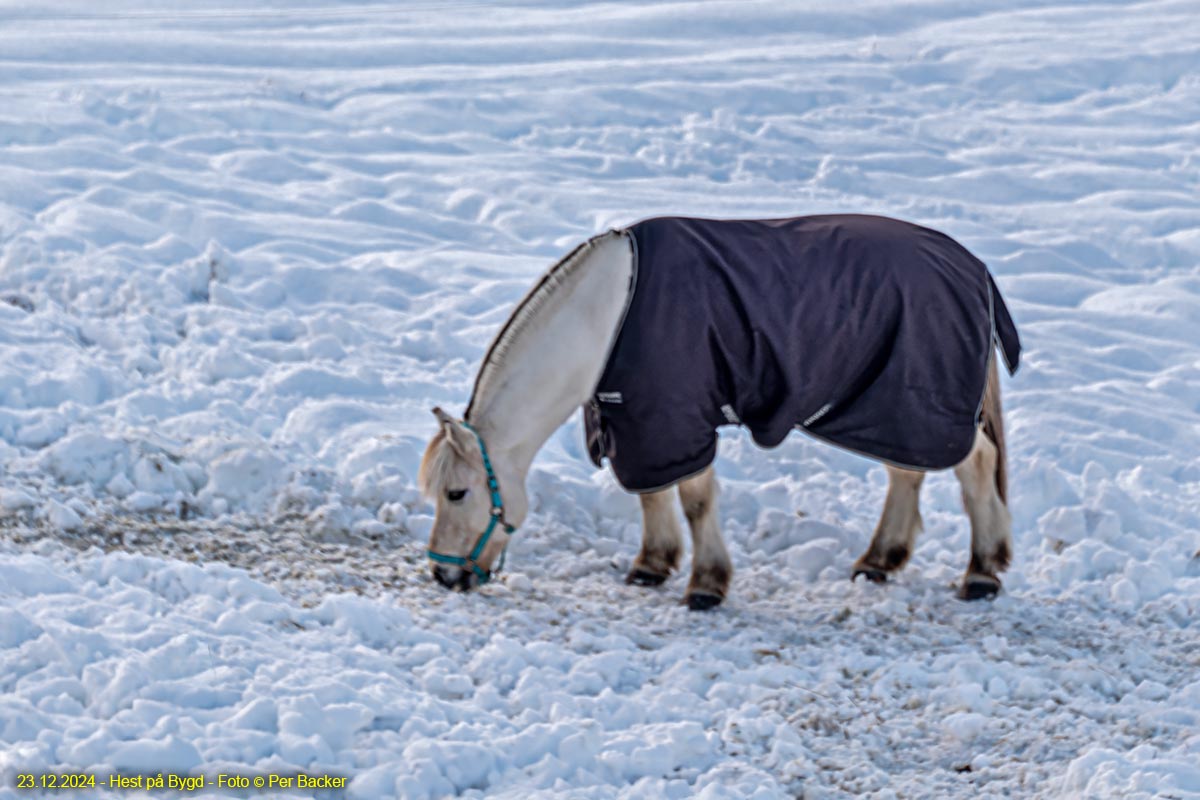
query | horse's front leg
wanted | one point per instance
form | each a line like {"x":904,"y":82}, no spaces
{"x":662,"y":540}
{"x":898,"y":526}
{"x":711,"y":567}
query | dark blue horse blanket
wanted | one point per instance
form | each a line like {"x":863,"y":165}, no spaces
{"x":867,"y":332}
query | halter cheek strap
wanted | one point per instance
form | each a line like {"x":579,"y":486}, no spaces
{"x":471,"y":561}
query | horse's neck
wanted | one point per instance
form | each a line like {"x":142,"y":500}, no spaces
{"x":554,"y":361}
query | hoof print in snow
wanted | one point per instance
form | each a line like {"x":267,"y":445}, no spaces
{"x":19,"y":301}
{"x":870,"y":573}
{"x":644,"y":577}
{"x":702,"y":601}
{"x":979,"y":587}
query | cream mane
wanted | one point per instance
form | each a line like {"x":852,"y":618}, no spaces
{"x":528,"y":310}
{"x":437,"y":465}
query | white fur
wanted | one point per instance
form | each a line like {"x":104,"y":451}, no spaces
{"x":662,"y":538}
{"x":543,"y":365}
{"x":550,"y":364}
{"x":900,"y":521}
{"x":711,"y":565}
{"x":991,"y":523}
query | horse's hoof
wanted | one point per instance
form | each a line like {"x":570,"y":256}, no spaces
{"x":978,"y":587}
{"x":644,"y":577}
{"x":870,"y":573}
{"x":702,"y":601}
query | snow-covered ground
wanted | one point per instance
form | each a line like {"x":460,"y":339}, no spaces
{"x":243,"y":252}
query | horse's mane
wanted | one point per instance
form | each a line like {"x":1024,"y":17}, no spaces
{"x":437,"y":465}
{"x":527,"y":311}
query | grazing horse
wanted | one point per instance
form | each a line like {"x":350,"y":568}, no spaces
{"x":873,"y":334}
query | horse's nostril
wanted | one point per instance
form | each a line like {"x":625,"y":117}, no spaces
{"x":446,"y":577}
{"x":456,"y":578}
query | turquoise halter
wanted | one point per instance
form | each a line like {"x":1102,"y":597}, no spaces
{"x":471,"y":562}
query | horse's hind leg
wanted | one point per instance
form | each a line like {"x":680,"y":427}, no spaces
{"x":898,"y":527}
{"x":662,"y":540}
{"x":991,"y":524}
{"x":711,"y":567}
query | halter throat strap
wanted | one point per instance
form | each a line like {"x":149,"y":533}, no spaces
{"x":471,"y":561}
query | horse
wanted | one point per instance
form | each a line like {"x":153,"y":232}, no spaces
{"x":873,"y":334}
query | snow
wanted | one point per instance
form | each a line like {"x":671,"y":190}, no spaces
{"x":244,"y":252}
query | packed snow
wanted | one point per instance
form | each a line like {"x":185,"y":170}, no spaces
{"x":244,"y":252}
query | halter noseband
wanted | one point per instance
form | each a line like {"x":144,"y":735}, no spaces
{"x":471,"y":562}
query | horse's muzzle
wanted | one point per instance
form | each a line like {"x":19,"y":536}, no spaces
{"x":455,"y":578}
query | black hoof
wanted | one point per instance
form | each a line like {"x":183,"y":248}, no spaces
{"x":644,"y":577}
{"x":703,"y":601}
{"x":871,"y":574}
{"x":978,"y":588}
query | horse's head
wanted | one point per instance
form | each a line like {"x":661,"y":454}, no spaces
{"x":473,"y":520}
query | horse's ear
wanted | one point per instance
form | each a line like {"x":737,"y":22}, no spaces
{"x":458,"y":437}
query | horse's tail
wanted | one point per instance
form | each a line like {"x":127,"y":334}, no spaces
{"x":992,"y":420}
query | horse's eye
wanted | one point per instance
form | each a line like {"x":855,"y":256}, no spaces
{"x":456,"y":495}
